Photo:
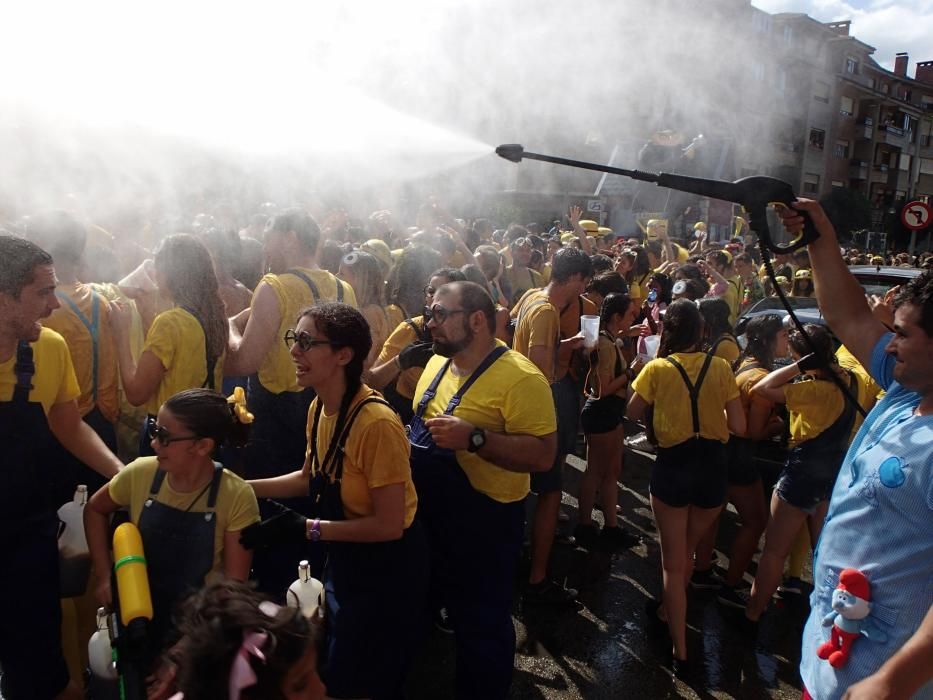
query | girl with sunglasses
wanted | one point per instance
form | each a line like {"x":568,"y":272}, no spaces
{"x":188,"y":508}
{"x":359,"y":478}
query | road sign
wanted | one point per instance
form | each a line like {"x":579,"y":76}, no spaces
{"x":594,"y":205}
{"x":916,"y":215}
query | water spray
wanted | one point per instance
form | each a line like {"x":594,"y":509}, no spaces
{"x":755,"y":193}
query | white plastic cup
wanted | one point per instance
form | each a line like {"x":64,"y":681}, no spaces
{"x":652,"y":342}
{"x":589,"y":326}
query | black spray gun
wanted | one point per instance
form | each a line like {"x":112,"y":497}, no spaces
{"x":754,"y":193}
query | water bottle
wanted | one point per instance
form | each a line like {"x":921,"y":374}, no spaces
{"x":73,"y":556}
{"x":306,"y":593}
{"x":102,"y":677}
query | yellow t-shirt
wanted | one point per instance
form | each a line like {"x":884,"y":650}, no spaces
{"x":64,"y":321}
{"x":277,"y":372}
{"x":638,"y":289}
{"x":733,"y":296}
{"x":538,"y":325}
{"x":235,"y":509}
{"x":869,"y":392}
{"x":521,"y":280}
{"x":813,"y":405}
{"x":403,"y":336}
{"x":746,"y":381}
{"x":661,"y":384}
{"x":381,"y":320}
{"x":511,"y":397}
{"x":177,"y":339}
{"x":609,"y":356}
{"x":728,"y":350}
{"x":376,"y":455}
{"x":545,"y":274}
{"x":54,"y":381}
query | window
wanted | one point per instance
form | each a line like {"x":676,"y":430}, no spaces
{"x":841,"y":149}
{"x":811,"y":183}
{"x":846,"y":106}
{"x":926,"y":166}
{"x":781,"y":80}
{"x":851,"y":65}
{"x":904,"y":162}
{"x":758,"y":71}
{"x":885,"y":88}
{"x":821,"y":91}
{"x":817,"y":139}
{"x":788,"y":34}
{"x":838,"y":183}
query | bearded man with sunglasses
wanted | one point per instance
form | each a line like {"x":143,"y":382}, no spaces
{"x":38,"y":399}
{"x":483,"y":421}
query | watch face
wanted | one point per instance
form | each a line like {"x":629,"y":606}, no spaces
{"x":477,"y":439}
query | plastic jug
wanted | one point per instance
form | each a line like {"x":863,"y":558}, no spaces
{"x":73,"y":557}
{"x":589,"y":326}
{"x":100,"y":651}
{"x":306,"y":593}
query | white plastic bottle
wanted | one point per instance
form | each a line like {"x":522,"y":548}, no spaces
{"x":73,"y":555}
{"x":306,"y":593}
{"x":99,"y":650}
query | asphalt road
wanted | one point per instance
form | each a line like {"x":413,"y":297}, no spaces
{"x":608,"y":649}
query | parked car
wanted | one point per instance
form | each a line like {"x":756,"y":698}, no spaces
{"x":878,"y":279}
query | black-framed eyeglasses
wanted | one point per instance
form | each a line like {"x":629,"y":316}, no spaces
{"x":304,"y":341}
{"x":439,"y":314}
{"x":164,"y":437}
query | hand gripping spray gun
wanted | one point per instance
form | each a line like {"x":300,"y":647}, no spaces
{"x":755,"y":193}
{"x":134,"y":613}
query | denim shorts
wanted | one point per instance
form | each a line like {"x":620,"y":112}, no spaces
{"x":693,"y":473}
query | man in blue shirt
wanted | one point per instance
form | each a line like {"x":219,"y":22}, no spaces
{"x":880,"y":518}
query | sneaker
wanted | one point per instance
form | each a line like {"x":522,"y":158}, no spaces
{"x":732,"y":598}
{"x":442,"y":621}
{"x":615,"y":539}
{"x":586,"y":535}
{"x":681,"y":669}
{"x":551,"y":594}
{"x":705,"y":580}
{"x":639,"y":442}
{"x":791,"y":586}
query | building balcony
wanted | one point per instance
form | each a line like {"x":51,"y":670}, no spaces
{"x":892,"y":135}
{"x":879,"y":174}
{"x":858,"y":169}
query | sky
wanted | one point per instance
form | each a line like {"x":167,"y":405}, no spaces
{"x":890,"y":26}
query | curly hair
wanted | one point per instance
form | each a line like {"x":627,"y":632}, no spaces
{"x":919,"y":292}
{"x":20,"y":260}
{"x":189,"y":275}
{"x":212,"y":624}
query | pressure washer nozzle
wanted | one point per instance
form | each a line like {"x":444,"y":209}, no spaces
{"x":511,"y":151}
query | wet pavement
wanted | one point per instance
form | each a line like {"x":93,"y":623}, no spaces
{"x":609,"y":649}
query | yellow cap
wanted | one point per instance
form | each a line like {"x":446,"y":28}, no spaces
{"x":699,"y":226}
{"x":566,"y":238}
{"x":589,"y":225}
{"x":603,"y":231}
{"x":378,"y":249}
{"x":654,"y":227}
{"x":802,"y":274}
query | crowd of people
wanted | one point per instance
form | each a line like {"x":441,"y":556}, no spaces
{"x":381,"y":400}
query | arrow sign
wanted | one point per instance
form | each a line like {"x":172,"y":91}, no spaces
{"x":916,"y":215}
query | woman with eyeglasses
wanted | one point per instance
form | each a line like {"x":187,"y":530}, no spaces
{"x":359,"y":478}
{"x":406,"y":351}
{"x":364,"y":274}
{"x":188,"y":508}
{"x":185,"y":345}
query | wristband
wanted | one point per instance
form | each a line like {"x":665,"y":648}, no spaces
{"x":314,"y":530}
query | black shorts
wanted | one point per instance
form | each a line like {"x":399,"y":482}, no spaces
{"x":567,"y":407}
{"x":693,"y":473}
{"x":743,"y":467}
{"x":31,"y":616}
{"x":602,"y":415}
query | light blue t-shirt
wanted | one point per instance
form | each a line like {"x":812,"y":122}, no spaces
{"x":880,"y":521}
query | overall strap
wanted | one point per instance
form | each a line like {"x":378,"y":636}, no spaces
{"x":420,"y":333}
{"x":215,"y":485}
{"x":693,"y":389}
{"x":333,"y":459}
{"x":24,"y":369}
{"x":93,"y":328}
{"x":157,"y":480}
{"x":497,"y":352}
{"x":431,"y":390}
{"x":340,"y":291}
{"x":747,"y":368}
{"x":315,"y":293}
{"x":210,"y":362}
{"x":345,"y":435}
{"x":719,"y":341}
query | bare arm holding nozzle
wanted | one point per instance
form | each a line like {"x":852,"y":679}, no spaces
{"x":840,"y":296}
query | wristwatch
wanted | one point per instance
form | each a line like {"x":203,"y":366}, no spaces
{"x":314,"y":530}
{"x":477,"y":440}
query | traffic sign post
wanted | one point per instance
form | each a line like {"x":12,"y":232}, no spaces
{"x":916,"y":216}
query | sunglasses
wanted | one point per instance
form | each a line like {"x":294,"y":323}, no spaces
{"x":164,"y":437}
{"x":304,"y":341}
{"x":439,"y":314}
